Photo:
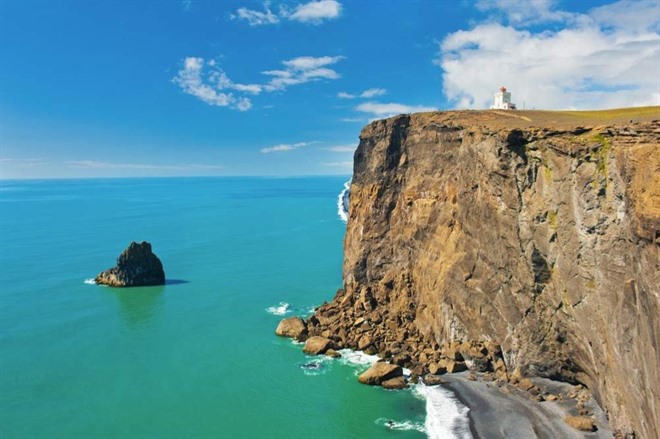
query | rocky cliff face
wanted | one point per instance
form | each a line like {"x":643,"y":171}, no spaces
{"x":534,"y":231}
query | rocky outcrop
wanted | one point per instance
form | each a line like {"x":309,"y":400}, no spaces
{"x":381,"y":372}
{"x":521,"y":244}
{"x":293,"y":327}
{"x":136,"y":266}
{"x":318,"y":345}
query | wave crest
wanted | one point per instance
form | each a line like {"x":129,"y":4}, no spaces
{"x":279,"y":310}
{"x":343,"y":200}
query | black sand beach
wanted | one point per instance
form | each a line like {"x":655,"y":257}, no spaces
{"x":507,"y":412}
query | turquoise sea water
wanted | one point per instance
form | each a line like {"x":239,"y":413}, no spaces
{"x":197,"y":357}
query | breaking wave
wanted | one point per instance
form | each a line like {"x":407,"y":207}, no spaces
{"x":446,"y":417}
{"x":391,"y":424}
{"x":90,"y":281}
{"x":343,"y":200}
{"x":279,"y":310}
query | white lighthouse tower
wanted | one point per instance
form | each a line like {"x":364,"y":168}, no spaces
{"x":503,"y":101}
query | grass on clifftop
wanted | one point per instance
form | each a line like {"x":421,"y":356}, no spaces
{"x":617,"y":113}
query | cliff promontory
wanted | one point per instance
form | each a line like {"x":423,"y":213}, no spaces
{"x":520,"y":243}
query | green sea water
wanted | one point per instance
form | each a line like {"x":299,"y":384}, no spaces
{"x":197,"y":357}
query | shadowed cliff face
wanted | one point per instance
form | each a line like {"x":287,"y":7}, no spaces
{"x":540,"y":236}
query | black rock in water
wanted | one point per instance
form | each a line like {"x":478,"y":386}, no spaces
{"x":136,"y":266}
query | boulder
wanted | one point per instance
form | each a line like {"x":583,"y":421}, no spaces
{"x":317,"y":345}
{"x":380,"y":372}
{"x":293,"y":327}
{"x":581,"y":423}
{"x":433,"y":380}
{"x":136,"y":266}
{"x":395,"y":383}
{"x":332,"y":353}
{"x":437,"y":369}
{"x":455,"y":366}
{"x":364,"y":342}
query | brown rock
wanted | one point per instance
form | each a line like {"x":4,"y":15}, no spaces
{"x":437,"y":369}
{"x":433,"y":380}
{"x":364,"y":342}
{"x":456,"y":366}
{"x":551,"y":397}
{"x":525,"y":384}
{"x":317,"y":345}
{"x":395,"y":383}
{"x":380,"y":372}
{"x":539,"y":231}
{"x":136,"y":266}
{"x":581,"y":423}
{"x":292,"y":327}
{"x":332,"y":353}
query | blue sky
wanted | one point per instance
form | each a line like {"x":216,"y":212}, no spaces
{"x":158,"y":88}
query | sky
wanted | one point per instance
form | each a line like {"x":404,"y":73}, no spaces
{"x":283,"y":88}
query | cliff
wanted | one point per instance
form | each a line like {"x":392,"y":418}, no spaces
{"x":535,"y":231}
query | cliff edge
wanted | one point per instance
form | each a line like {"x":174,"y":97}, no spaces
{"x":535,"y":231}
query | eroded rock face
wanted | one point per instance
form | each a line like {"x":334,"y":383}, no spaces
{"x":136,"y":266}
{"x":540,"y":235}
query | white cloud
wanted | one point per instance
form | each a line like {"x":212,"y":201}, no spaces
{"x":367,"y":94}
{"x":284,"y":147}
{"x":341,"y":148}
{"x":373,"y":92}
{"x":313,"y":12}
{"x":207,"y":82}
{"x":23,"y":163}
{"x":346,"y":164}
{"x":352,"y":119}
{"x":93,"y":164}
{"x":604,"y":59}
{"x":392,"y":109}
{"x":206,"y":87}
{"x":525,"y":12}
{"x":256,"y":18}
{"x":301,"y":70}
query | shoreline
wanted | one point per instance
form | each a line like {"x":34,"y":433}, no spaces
{"x":507,"y":412}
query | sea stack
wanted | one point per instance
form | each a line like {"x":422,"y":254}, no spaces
{"x":136,"y":266}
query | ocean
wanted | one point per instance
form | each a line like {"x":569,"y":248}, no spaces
{"x":197,"y":357}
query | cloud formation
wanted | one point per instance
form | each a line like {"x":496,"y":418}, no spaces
{"x":367,"y":94}
{"x":93,"y":164}
{"x":341,"y":148}
{"x":301,"y":70}
{"x":284,"y":147}
{"x":347,"y":164}
{"x":207,"y":82}
{"x":379,"y":110}
{"x":606,"y":58}
{"x":314,"y":12}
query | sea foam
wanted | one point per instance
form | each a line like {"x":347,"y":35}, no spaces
{"x":90,"y":281}
{"x":446,"y":417}
{"x":343,"y":200}
{"x":279,"y":310}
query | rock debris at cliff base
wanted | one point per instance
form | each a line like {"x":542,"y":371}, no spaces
{"x":527,"y":244}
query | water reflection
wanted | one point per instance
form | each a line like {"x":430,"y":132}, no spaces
{"x":139,"y":306}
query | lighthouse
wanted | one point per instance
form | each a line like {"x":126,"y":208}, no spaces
{"x":503,"y":100}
